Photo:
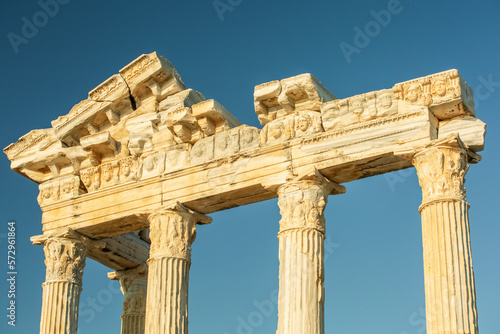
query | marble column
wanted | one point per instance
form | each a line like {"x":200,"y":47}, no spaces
{"x":301,"y":254}
{"x":449,"y":279}
{"x":172,"y":231}
{"x":65,"y":255}
{"x":133,"y":283}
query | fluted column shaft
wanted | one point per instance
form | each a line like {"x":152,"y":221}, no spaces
{"x":134,"y":307}
{"x":133,"y":283}
{"x":301,"y":256}
{"x":65,"y":259}
{"x":172,"y":232}
{"x":449,"y":279}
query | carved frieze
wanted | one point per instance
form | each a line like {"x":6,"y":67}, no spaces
{"x":278,"y":131}
{"x":338,"y":114}
{"x":307,"y":123}
{"x":299,"y":124}
{"x":227,"y":143}
{"x":249,"y":137}
{"x":109,"y":174}
{"x":126,"y":169}
{"x":202,"y":151}
{"x":445,"y":93}
{"x":59,"y":189}
{"x":152,"y":164}
{"x":177,"y":157}
{"x":441,"y":173}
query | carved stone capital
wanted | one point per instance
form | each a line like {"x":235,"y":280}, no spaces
{"x":302,"y":202}
{"x":65,"y":254}
{"x":134,"y":302}
{"x":441,"y":173}
{"x":127,"y":276}
{"x":133,"y":283}
{"x":173,"y":230}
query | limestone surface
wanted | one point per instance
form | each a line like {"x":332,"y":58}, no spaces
{"x":127,"y":174}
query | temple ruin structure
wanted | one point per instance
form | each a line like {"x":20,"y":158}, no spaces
{"x":127,"y":175}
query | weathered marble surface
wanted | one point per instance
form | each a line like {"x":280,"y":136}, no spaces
{"x":132,"y":169}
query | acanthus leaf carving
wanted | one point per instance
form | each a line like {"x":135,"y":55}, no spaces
{"x":173,"y":230}
{"x":441,"y":172}
{"x":302,"y":200}
{"x":65,"y":255}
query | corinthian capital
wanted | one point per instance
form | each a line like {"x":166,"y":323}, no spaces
{"x":173,"y":230}
{"x":441,"y":172}
{"x":302,"y":201}
{"x":65,"y":254}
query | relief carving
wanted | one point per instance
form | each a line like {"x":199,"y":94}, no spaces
{"x":226,"y":143}
{"x":338,"y":114}
{"x":109,"y":174}
{"x":126,"y":172}
{"x":302,"y":204}
{"x":446,"y":93}
{"x":96,"y":177}
{"x":59,"y":189}
{"x":441,"y":173}
{"x":279,"y":130}
{"x":173,"y":230}
{"x":202,"y":151}
{"x":135,"y":303}
{"x":334,"y":114}
{"x":65,"y":258}
{"x":172,"y":234}
{"x":177,"y":158}
{"x":307,"y":123}
{"x":386,"y":103}
{"x":249,"y":137}
{"x":49,"y":192}
{"x":152,"y":165}
{"x":87,"y":178}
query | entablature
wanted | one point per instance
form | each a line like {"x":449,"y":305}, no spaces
{"x":142,"y":139}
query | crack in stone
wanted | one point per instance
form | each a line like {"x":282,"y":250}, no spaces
{"x":131,"y":98}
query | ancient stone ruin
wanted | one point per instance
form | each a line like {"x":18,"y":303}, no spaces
{"x":128,"y":173}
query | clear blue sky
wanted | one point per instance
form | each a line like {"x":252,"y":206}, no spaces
{"x":374,"y":271}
